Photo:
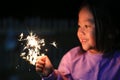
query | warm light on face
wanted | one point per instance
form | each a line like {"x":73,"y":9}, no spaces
{"x":86,"y":29}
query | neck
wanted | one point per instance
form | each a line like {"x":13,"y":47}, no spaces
{"x":93,"y":51}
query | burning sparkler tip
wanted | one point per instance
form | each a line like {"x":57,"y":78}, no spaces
{"x":33,"y":47}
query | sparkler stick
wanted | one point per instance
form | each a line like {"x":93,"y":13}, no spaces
{"x":33,"y":45}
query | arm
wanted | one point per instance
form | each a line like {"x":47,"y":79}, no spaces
{"x":44,"y":66}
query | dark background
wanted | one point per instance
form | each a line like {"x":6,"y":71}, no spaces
{"x":48,"y":19}
{"x":54,"y":20}
{"x":45,"y":8}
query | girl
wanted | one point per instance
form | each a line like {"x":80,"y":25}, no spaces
{"x":98,"y":57}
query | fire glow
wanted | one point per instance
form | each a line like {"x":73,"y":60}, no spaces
{"x":33,"y":46}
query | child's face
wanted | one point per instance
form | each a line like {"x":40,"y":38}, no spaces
{"x":86,"y":29}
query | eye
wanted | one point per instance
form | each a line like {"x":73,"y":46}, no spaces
{"x":79,"y":26}
{"x":86,"y":26}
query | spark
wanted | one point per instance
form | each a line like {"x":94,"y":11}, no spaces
{"x":33,"y":46}
{"x":17,"y":66}
{"x":21,"y":36}
{"x":54,"y":44}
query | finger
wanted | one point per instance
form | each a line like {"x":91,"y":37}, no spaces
{"x":40,"y":62}
{"x":39,"y":67}
{"x":41,"y":58}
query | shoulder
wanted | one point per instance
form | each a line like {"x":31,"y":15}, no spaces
{"x":116,"y":59}
{"x":74,"y":52}
{"x":75,"y":49}
{"x":117,"y":55}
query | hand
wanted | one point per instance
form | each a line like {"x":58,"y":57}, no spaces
{"x":43,"y":66}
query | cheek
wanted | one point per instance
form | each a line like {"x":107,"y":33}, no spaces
{"x":78,"y":34}
{"x":92,"y":38}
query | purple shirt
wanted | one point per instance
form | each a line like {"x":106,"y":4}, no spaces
{"x":76,"y":65}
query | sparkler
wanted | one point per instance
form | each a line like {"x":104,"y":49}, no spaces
{"x":33,"y":46}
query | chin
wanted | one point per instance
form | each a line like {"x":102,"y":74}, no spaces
{"x":85,"y":48}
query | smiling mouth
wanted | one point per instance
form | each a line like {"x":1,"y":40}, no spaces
{"x":83,"y":41}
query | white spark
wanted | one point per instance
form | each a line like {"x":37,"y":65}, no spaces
{"x":54,"y":44}
{"x":33,"y":46}
{"x":21,"y":36}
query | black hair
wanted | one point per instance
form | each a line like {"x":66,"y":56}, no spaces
{"x":107,"y":31}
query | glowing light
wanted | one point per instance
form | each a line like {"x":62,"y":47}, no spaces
{"x":33,"y":46}
{"x":54,"y":44}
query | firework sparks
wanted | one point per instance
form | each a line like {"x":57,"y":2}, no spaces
{"x":33,"y":46}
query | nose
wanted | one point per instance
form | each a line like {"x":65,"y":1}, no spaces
{"x":81,"y":31}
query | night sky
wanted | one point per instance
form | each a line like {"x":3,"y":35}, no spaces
{"x":45,"y":8}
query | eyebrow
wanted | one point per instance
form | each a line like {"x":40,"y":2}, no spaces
{"x":90,"y":20}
